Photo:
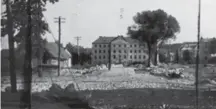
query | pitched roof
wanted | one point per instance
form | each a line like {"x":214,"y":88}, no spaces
{"x":52,"y":49}
{"x":106,"y":40}
{"x":103,"y":40}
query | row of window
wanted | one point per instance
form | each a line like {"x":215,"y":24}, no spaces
{"x":125,"y":57}
{"x":103,"y":45}
{"x":120,"y":51}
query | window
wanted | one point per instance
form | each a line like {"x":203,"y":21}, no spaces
{"x":139,"y":56}
{"x":139,"y":51}
{"x":119,"y":45}
{"x":99,"y":51}
{"x":113,"y":45}
{"x":131,"y":57}
{"x":125,"y":51}
{"x":119,"y":56}
{"x":135,"y":57}
{"x":125,"y":45}
{"x":135,"y":45}
{"x":114,"y":51}
{"x":114,"y":56}
{"x":99,"y":57}
{"x":100,"y":46}
{"x":104,"y":46}
{"x":95,"y":51}
{"x":95,"y":57}
{"x":95,"y":45}
{"x":130,"y":45}
{"x":104,"y":51}
{"x":104,"y":57}
{"x":144,"y":57}
{"x":125,"y":56}
{"x":131,"y":51}
{"x":119,"y":51}
{"x":134,"y":51}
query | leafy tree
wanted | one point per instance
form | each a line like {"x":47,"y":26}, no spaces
{"x":14,"y":25}
{"x":187,"y":56}
{"x":212,"y":46}
{"x":153,"y":27}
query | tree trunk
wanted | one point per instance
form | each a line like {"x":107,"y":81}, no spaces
{"x":26,"y":97}
{"x":39,"y":61}
{"x":149,"y":55}
{"x":157,"y":62}
{"x":11,"y":47}
{"x":154,"y":54}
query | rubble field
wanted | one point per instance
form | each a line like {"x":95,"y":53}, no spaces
{"x":118,"y":77}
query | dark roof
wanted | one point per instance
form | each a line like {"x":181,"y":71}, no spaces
{"x":103,"y":40}
{"x":52,"y":49}
{"x":106,"y":40}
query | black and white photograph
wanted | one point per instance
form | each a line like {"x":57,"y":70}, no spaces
{"x":108,"y":54}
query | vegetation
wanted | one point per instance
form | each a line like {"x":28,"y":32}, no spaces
{"x":84,"y":56}
{"x":187,"y":56}
{"x":154,"y":27}
{"x":176,"y":56}
{"x":15,"y":23}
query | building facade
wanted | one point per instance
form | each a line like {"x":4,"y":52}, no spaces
{"x":204,"y":54}
{"x":119,"y":49}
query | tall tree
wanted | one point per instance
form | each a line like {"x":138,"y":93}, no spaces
{"x":14,"y":25}
{"x":9,"y":25}
{"x":153,"y":27}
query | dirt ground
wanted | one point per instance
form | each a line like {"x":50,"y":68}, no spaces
{"x":137,"y":97}
{"x":131,"y":88}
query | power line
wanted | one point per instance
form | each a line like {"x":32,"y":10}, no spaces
{"x":78,"y":52}
{"x":197,"y":57}
{"x":59,"y":21}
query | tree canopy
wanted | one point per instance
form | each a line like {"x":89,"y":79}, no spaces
{"x":154,"y":27}
{"x":19,"y":18}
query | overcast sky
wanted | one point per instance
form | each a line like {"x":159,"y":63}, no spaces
{"x":93,"y":18}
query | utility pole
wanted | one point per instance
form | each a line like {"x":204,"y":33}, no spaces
{"x":197,"y":57}
{"x":59,"y":21}
{"x":78,"y":53}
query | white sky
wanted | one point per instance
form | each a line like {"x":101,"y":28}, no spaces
{"x":92,"y":18}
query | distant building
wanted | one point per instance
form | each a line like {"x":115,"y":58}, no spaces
{"x":204,"y":51}
{"x":192,"y":48}
{"x":123,"y":49}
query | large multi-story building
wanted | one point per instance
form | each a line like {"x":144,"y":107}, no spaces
{"x":122,"y":49}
